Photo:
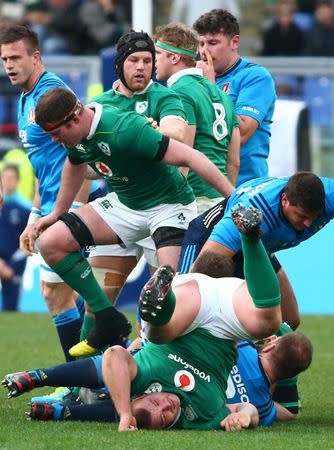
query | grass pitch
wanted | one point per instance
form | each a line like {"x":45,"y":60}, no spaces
{"x":29,"y":341}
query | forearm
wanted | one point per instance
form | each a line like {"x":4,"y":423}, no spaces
{"x":71,"y":181}
{"x":117,"y":377}
{"x":232,"y":172}
{"x":233,"y":157}
{"x":206,"y":170}
{"x":83,"y":194}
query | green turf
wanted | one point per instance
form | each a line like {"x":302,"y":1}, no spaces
{"x":29,"y":341}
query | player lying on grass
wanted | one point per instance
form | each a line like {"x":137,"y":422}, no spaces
{"x":252,"y":380}
{"x":190,"y":327}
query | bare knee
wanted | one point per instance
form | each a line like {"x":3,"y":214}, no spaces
{"x":55,"y":242}
{"x":58,"y":297}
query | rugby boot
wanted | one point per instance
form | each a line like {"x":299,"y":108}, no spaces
{"x":248,"y":220}
{"x":20,"y":382}
{"x":46,"y":411}
{"x":111,"y":328}
{"x":63,"y":395}
{"x":154,"y":291}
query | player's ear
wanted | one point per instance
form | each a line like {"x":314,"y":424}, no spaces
{"x":269,"y":347}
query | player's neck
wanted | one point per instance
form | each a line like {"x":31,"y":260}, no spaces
{"x":232,"y":64}
{"x":121,"y":88}
{"x":35,"y":76}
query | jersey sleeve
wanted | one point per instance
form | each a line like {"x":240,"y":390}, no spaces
{"x":288,"y":397}
{"x":226,"y":233}
{"x":171,"y":106}
{"x":256,"y":93}
{"x":189,"y":108}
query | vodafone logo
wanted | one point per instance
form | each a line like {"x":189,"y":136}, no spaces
{"x":103,"y":169}
{"x":184,"y":380}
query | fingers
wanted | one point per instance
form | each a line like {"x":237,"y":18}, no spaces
{"x":208,"y":58}
{"x":235,"y":422}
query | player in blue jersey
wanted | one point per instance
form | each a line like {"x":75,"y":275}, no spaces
{"x":22,"y":63}
{"x":13,"y":219}
{"x":193,"y":322}
{"x":250,"y":86}
{"x":294,"y":209}
{"x":251,"y":380}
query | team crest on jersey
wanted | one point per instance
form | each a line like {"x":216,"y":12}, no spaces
{"x":184,"y":380}
{"x":190,"y":413}
{"x":181,"y":218}
{"x":103,"y":169}
{"x":105,"y":148}
{"x":31,"y":116}
{"x":226,"y":88}
{"x":154,"y":387}
{"x":80,"y":148}
{"x":141,"y":107}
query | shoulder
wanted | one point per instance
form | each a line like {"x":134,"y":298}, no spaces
{"x":48,"y":81}
{"x":249,"y":69}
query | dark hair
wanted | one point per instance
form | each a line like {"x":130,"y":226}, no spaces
{"x":143,"y":419}
{"x":305,"y":189}
{"x":214,"y":265}
{"x":129,"y":43}
{"x":20,"y":33}
{"x":292,"y":355}
{"x":54,"y":105}
{"x":217,"y":21}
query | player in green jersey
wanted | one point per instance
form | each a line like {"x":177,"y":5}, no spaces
{"x":212,"y":124}
{"x":134,"y":91}
{"x":193,"y":322}
{"x":153,"y":197}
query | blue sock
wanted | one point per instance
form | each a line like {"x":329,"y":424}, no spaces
{"x":82,"y":373}
{"x":38,"y":377}
{"x":68,"y":324}
{"x":58,"y":411}
{"x":103,"y":411}
{"x":81,"y":306}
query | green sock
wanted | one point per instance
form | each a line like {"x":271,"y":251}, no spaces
{"x":87,"y":325}
{"x":260,"y":276}
{"x":77,"y":273}
{"x":166,"y":312}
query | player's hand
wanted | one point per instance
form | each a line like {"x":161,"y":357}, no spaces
{"x":127,"y":423}
{"x":1,"y":200}
{"x":236,"y":421}
{"x":206,"y":64}
{"x":154,"y":123}
{"x":45,"y":222}
{"x":27,"y":240}
{"x":6,"y":272}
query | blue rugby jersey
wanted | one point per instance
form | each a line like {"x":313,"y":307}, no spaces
{"x":252,"y":90}
{"x":248,"y":383}
{"x":265,"y":194}
{"x":46,"y":156}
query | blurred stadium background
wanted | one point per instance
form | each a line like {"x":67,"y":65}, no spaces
{"x":302,"y":135}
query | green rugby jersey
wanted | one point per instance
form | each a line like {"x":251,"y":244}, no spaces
{"x":124,"y":149}
{"x":212,"y":111}
{"x":196,"y":367}
{"x":154,"y":101}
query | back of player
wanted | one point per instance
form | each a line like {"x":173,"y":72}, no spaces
{"x":212,"y":112}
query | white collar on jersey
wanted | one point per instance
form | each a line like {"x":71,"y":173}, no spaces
{"x":191,"y":71}
{"x":117,"y":82}
{"x":96,"y":119}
